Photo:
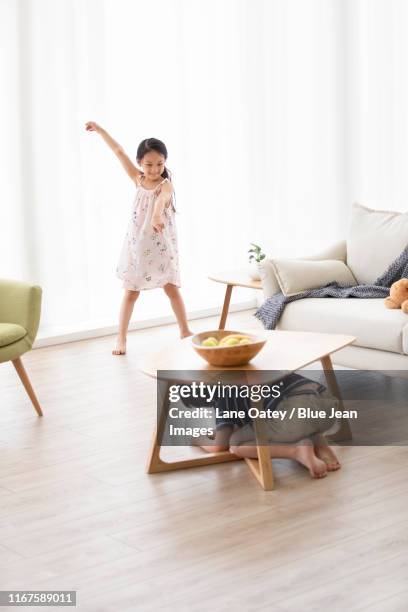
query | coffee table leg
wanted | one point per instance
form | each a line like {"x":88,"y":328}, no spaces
{"x":156,"y":464}
{"x":225,"y":307}
{"x":344,"y":433}
{"x":261,"y":468}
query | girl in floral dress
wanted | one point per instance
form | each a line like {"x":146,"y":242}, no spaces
{"x":149,"y":257}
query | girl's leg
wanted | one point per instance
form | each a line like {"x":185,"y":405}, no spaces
{"x":126,"y":310}
{"x":179,"y":309}
{"x":302,"y":453}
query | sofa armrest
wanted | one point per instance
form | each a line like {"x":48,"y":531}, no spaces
{"x":20,"y":303}
{"x":269,"y":280}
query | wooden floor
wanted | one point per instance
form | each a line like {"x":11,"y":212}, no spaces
{"x":77,"y":510}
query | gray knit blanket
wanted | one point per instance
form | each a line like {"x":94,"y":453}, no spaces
{"x":271,"y":310}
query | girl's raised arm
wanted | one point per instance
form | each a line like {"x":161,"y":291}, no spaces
{"x":126,"y":162}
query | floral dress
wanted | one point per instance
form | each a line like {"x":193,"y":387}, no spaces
{"x":149,"y":259}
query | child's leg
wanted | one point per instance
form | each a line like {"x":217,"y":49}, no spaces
{"x":325,"y":453}
{"x":303,"y":453}
{"x":179,"y":309}
{"x":126,"y":310}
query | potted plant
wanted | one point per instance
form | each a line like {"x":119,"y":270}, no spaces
{"x":255,"y":258}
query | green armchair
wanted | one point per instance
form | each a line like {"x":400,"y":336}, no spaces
{"x":20,"y":309}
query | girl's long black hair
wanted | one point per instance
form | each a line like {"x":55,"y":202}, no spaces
{"x":153,"y":144}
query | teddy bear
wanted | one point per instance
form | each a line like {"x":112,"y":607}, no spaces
{"x":398,"y":295}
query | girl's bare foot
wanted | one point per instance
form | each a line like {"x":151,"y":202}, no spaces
{"x":325,"y":453}
{"x":120,"y":348}
{"x":216,"y":443}
{"x":304,"y":453}
{"x":205,"y":444}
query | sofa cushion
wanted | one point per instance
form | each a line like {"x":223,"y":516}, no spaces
{"x":297,"y":275}
{"x":373,"y":325}
{"x":9,"y":333}
{"x":270,"y":283}
{"x":376,"y":238}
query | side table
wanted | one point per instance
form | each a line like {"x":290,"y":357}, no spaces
{"x":233,"y":278}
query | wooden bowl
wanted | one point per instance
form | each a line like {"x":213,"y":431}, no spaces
{"x":237,"y":355}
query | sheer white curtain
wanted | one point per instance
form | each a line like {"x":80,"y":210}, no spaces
{"x":302,"y":131}
{"x":265,"y":107}
{"x":171,"y":69}
{"x":377,"y":102}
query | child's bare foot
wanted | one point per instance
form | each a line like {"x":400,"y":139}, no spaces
{"x":325,"y":453}
{"x":216,"y":443}
{"x":201,"y":440}
{"x":304,"y":453}
{"x":120,"y":348}
{"x":214,"y":448}
{"x":208,"y":444}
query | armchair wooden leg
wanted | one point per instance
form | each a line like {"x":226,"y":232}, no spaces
{"x":18,"y":364}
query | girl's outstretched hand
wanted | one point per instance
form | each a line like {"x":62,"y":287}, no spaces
{"x":157,"y":223}
{"x":92,"y":126}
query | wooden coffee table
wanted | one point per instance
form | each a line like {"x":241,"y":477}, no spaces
{"x":284,"y":351}
{"x":233,"y":278}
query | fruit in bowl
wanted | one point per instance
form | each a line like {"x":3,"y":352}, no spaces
{"x":210,"y":341}
{"x":227,"y":348}
{"x":230,"y":340}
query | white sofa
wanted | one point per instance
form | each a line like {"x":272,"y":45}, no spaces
{"x":376,"y":238}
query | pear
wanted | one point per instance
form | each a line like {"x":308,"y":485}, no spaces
{"x":209,"y":342}
{"x":238,"y":337}
{"x":231,"y":342}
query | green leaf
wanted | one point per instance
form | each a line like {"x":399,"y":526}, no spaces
{"x":258,"y":256}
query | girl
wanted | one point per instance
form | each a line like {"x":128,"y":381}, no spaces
{"x":149,"y":257}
